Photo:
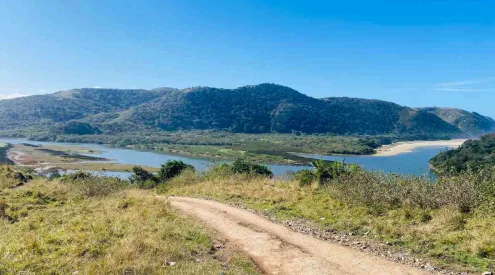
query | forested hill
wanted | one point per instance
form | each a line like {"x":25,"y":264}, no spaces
{"x":251,"y":109}
{"x":473,"y":154}
{"x":468,"y":122}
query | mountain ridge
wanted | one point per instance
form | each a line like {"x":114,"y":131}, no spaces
{"x":259,"y":108}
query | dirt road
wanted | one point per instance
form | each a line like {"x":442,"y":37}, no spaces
{"x":278,"y":250}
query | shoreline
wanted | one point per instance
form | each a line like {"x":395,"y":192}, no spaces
{"x":409,"y":146}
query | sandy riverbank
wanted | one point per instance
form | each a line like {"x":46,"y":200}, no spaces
{"x":409,"y":146}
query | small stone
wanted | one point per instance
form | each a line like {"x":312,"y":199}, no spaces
{"x":487,"y":273}
{"x":322,"y":218}
{"x":217,"y":246}
{"x":171,"y":263}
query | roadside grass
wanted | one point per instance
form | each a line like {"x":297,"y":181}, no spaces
{"x":455,"y":230}
{"x":98,"y":225}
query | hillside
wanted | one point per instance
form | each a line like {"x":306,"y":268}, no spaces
{"x":468,"y":122}
{"x":473,"y":154}
{"x":47,"y":110}
{"x":261,"y":108}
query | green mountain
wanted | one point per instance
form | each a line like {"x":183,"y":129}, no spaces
{"x":471,"y":123}
{"x":251,"y":109}
{"x":474,"y":154}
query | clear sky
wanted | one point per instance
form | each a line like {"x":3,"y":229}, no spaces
{"x":415,"y":53}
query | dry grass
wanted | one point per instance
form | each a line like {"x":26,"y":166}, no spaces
{"x":442,"y":231}
{"x":59,"y":228}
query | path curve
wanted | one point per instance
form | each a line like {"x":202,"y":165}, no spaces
{"x":279,"y":250}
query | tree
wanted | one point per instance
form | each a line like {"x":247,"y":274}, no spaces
{"x":171,"y":169}
{"x":143,"y":178}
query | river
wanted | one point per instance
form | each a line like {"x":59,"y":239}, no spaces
{"x":415,"y":163}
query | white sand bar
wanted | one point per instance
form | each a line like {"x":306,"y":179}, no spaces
{"x":409,"y":146}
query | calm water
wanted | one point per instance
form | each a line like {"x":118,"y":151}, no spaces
{"x":415,"y":162}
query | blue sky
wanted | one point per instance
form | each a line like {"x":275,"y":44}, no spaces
{"x":415,"y":53}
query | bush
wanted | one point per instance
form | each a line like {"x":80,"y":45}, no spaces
{"x":221,"y":170}
{"x":171,"y":169}
{"x":88,"y":185}
{"x":143,"y":178}
{"x":246,"y":167}
{"x":305,"y":176}
{"x":79,"y":175}
{"x":54,"y":175}
{"x":325,"y":171}
{"x":239,"y":167}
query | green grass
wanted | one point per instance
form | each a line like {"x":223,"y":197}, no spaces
{"x":409,"y":213}
{"x":103,"y":226}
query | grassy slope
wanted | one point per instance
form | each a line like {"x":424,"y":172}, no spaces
{"x":52,"y":227}
{"x":444,"y":235}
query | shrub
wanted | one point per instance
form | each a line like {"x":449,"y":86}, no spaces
{"x":220,"y":170}
{"x":305,"y":176}
{"x":467,"y":190}
{"x":325,"y":171}
{"x":171,"y":169}
{"x":239,"y":167}
{"x":76,"y":176}
{"x":143,"y":178}
{"x":54,"y":175}
{"x":88,"y":185}
{"x":246,"y":167}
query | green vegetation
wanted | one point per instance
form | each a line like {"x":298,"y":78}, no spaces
{"x":143,"y":178}
{"x":81,"y":224}
{"x":216,"y":145}
{"x":79,"y":128}
{"x":172,"y":169}
{"x":325,"y":171}
{"x":167,"y":171}
{"x":264,"y":123}
{"x":471,"y":123}
{"x":472,"y":155}
{"x":448,"y":222}
{"x":243,"y":167}
{"x":264,"y":108}
{"x":4,"y":147}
